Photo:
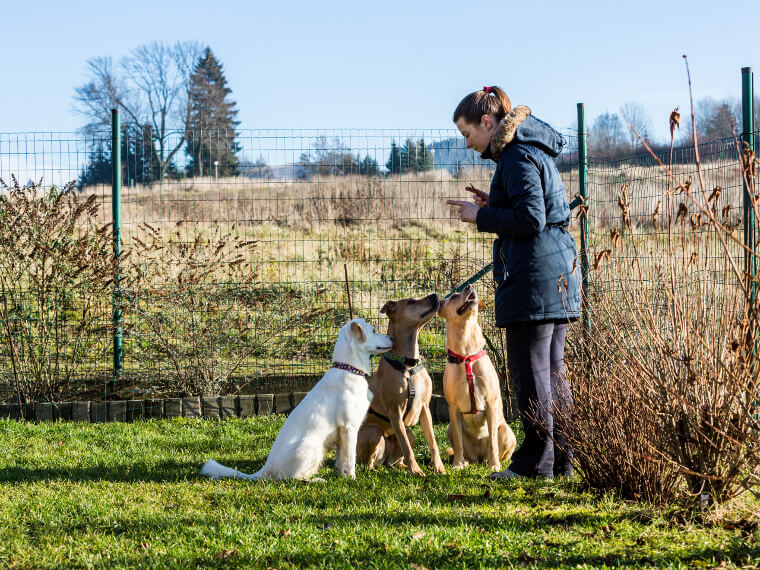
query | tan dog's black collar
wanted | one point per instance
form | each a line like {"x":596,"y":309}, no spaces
{"x":402,"y":364}
{"x":404,"y":360}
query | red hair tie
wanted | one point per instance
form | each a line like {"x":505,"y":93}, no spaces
{"x":487,"y":90}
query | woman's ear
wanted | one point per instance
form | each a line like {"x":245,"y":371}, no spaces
{"x":487,"y":121}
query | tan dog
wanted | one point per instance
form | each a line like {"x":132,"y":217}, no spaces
{"x":402,"y":390}
{"x":477,"y":429}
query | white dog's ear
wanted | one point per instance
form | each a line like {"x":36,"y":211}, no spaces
{"x":389,"y":308}
{"x":358,"y":332}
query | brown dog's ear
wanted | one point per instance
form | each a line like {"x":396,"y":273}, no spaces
{"x":481,"y":304}
{"x":389,"y":308}
{"x":357,"y":332}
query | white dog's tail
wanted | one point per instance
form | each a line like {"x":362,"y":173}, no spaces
{"x":218,"y":471}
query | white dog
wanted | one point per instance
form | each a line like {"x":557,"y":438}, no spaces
{"x":328,"y":417}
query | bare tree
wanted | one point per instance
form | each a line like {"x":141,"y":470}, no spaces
{"x":257,"y":169}
{"x":716,"y":119}
{"x":150,"y":86}
{"x":719,"y":121}
{"x":737,"y":111}
{"x":638,"y":118}
{"x":605,"y":136}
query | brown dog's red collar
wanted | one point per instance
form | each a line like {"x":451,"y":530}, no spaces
{"x":468,"y":360}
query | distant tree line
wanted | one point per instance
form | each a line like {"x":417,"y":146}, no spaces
{"x":412,"y":156}
{"x":333,"y":158}
{"x":611,"y":136}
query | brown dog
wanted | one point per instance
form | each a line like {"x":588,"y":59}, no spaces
{"x":477,"y":429}
{"x":402,"y":390}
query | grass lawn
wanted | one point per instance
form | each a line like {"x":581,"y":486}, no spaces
{"x":128,"y":495}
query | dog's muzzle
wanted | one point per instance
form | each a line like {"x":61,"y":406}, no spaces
{"x":472,"y":298}
{"x":436,"y":305}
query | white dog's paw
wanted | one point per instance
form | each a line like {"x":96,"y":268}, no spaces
{"x":316,"y":480}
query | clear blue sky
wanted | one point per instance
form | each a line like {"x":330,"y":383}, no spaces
{"x":390,"y":64}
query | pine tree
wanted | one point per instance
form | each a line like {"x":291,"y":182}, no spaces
{"x":211,"y":145}
{"x":415,"y":156}
{"x":98,"y":169}
{"x":424,"y":157}
{"x":137,"y":160}
{"x":394,"y":160}
{"x":368,"y":166}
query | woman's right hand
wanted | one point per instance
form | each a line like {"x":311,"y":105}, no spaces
{"x":479,"y":197}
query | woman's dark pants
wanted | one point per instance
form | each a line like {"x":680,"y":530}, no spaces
{"x":535,"y":356}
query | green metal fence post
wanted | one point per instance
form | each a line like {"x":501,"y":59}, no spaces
{"x":748,"y":137}
{"x":750,"y":239}
{"x":116,"y":217}
{"x":583,"y":187}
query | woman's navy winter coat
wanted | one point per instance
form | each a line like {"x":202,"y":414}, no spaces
{"x":534,"y":256}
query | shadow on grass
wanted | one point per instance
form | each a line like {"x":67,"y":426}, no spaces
{"x":158,"y":472}
{"x":464,"y":557}
{"x":383,"y":540}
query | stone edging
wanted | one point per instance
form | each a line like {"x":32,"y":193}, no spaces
{"x":242,"y":406}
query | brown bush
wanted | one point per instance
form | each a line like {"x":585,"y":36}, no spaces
{"x":192,"y":305}
{"x":666,"y":380}
{"x":56,"y":273}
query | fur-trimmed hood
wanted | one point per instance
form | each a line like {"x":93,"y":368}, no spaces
{"x":520,"y":126}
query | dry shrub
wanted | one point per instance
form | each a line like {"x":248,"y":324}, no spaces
{"x":612,"y":433}
{"x":666,"y":385}
{"x":666,"y":381}
{"x":56,"y":274}
{"x":193,"y":308}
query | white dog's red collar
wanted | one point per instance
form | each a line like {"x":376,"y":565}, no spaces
{"x":349,"y":368}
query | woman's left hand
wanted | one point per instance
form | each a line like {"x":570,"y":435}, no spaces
{"x":468,"y":212}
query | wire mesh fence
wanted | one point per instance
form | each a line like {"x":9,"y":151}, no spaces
{"x":243,"y":263}
{"x":636,"y":201}
{"x":245,"y":250}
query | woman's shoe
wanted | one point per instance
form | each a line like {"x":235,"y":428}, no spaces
{"x":506,"y":474}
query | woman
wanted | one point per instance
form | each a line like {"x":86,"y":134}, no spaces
{"x":534,"y":265}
